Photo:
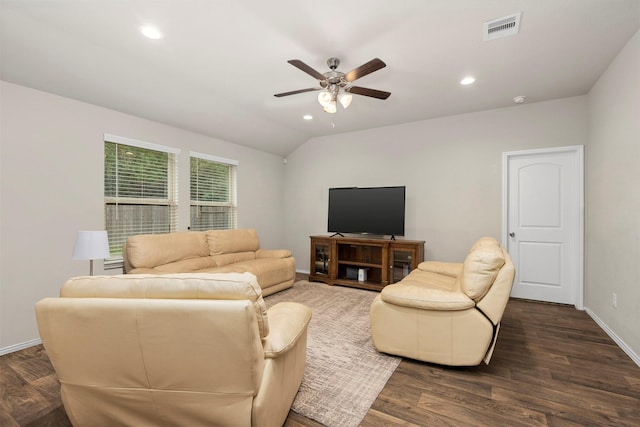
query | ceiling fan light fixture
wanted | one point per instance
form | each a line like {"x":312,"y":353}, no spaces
{"x":344,"y":99}
{"x":324,"y":98}
{"x":331,"y":108}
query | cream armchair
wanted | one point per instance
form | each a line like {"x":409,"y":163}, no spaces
{"x":174,"y":350}
{"x":446,"y":313}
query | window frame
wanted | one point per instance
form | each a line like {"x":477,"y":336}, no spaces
{"x":232,"y":203}
{"x":116,"y":261}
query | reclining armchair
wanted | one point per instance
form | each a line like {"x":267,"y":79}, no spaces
{"x":174,"y":350}
{"x":446,"y":313}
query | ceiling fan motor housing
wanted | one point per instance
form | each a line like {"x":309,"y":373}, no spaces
{"x":333,"y":63}
{"x":335,"y":77}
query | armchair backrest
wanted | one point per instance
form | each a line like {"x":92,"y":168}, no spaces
{"x":168,"y":345}
{"x":207,"y":286}
{"x":495,"y":301}
{"x":480,"y":268}
{"x":487,"y":277}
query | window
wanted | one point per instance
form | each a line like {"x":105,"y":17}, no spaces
{"x":213,"y":193}
{"x":140,"y":189}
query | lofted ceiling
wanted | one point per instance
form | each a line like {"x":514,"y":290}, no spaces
{"x":220,"y":62}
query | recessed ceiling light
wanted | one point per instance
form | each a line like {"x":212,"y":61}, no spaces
{"x":151,"y":32}
{"x":307,"y":117}
{"x":467,"y":80}
{"x":519,"y":99}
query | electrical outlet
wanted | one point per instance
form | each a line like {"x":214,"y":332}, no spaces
{"x":614,"y":300}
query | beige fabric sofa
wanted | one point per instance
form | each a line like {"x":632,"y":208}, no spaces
{"x":173,"y":350}
{"x":213,"y":251}
{"x":446,"y":313}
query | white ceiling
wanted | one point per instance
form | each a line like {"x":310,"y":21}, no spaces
{"x":220,"y":62}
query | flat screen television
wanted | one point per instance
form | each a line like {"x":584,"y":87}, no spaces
{"x":373,"y":210}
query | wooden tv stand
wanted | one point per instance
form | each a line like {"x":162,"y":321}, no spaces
{"x":337,"y":260}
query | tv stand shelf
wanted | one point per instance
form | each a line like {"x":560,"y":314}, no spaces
{"x":365,"y":263}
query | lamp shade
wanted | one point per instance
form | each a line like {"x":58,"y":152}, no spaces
{"x":331,"y":107}
{"x":324,"y":98}
{"x":91,"y":245}
{"x":345,"y":99}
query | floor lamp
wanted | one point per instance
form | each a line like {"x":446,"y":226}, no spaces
{"x":91,"y":245}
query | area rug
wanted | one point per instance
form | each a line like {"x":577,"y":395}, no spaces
{"x":344,"y":372}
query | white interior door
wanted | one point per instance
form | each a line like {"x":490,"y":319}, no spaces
{"x":543,"y":233}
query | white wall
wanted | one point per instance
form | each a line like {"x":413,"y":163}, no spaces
{"x":51,"y":175}
{"x":613,"y":198}
{"x":452,"y":168}
{"x":51,"y":148}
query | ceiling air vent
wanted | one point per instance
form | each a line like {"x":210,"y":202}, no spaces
{"x":507,"y":26}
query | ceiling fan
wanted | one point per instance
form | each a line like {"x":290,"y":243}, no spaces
{"x":335,"y":86}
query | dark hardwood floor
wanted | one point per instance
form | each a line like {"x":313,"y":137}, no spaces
{"x":553,"y":366}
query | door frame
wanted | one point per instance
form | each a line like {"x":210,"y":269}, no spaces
{"x":578,"y":151}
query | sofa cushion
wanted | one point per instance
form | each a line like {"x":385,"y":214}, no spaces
{"x":480,"y":268}
{"x":273,"y":253}
{"x":233,"y":257}
{"x":217,"y":286}
{"x":151,"y":250}
{"x":230,"y":241}
{"x":432,"y":279}
{"x":270,"y":270}
{"x":187,"y":265}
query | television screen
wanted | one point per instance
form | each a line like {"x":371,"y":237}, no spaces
{"x":375,"y":210}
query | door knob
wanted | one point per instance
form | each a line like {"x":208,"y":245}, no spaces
{"x":512,"y":234}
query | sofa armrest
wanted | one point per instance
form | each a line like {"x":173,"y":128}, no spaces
{"x":451,"y":269}
{"x":424,"y":297}
{"x":273,"y":253}
{"x":288,"y":321}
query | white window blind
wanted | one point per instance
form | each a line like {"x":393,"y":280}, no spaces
{"x":140,"y":189}
{"x":213,"y":192}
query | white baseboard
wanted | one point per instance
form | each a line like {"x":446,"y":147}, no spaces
{"x":20,"y":346}
{"x":302,"y":271}
{"x":623,"y":345}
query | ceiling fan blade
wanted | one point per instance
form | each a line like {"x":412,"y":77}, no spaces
{"x":293,"y":92}
{"x":307,"y":69}
{"x":368,"y":68}
{"x":380,"y":94}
